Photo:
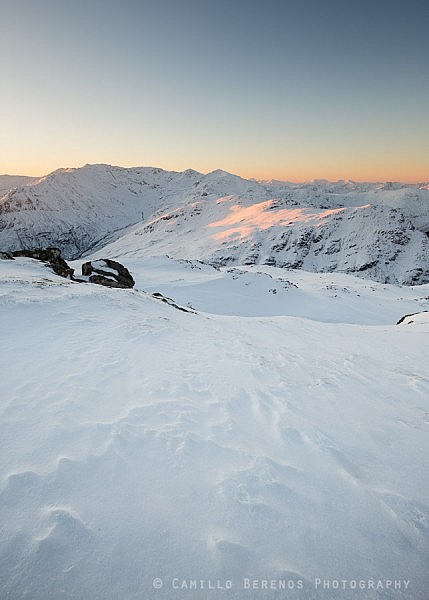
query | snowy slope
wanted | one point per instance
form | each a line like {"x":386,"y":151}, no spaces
{"x":376,"y":242}
{"x":146,"y":451}
{"x":373,"y":230}
{"x":75,"y":208}
{"x":10,"y":182}
{"x":259,"y":290}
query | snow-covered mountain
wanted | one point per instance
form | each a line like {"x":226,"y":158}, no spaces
{"x":377,"y":231}
{"x":10,"y":182}
{"x":75,"y":208}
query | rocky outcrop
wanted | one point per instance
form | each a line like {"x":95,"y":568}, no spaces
{"x":107,"y":272}
{"x":51,"y":256}
{"x":102,"y":272}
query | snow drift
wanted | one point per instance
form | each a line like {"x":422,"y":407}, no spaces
{"x":151,"y":453}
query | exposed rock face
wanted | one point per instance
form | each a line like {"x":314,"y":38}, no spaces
{"x":51,"y":256}
{"x":108,"y":272}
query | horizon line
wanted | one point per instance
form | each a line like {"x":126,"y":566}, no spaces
{"x":381,"y":180}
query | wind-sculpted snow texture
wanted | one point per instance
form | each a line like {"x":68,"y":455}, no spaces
{"x":376,"y":231}
{"x":269,"y":444}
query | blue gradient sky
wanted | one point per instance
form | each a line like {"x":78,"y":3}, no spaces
{"x":285,"y":89}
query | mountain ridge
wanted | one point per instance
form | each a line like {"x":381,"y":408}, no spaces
{"x":370,"y":229}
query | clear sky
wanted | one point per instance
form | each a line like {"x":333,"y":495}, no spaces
{"x":286,"y":89}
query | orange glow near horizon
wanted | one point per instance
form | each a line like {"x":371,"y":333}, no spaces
{"x":376,"y":174}
{"x":411,"y":174}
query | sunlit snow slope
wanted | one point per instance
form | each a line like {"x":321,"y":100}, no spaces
{"x":269,"y":436}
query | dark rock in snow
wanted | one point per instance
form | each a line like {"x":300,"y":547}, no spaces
{"x":108,"y":272}
{"x":51,"y":256}
{"x":171,"y":302}
{"x":402,"y":319}
{"x":103,"y":272}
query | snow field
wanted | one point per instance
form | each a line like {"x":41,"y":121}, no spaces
{"x":141,"y":442}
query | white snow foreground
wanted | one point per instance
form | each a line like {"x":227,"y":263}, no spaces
{"x":152,"y":453}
